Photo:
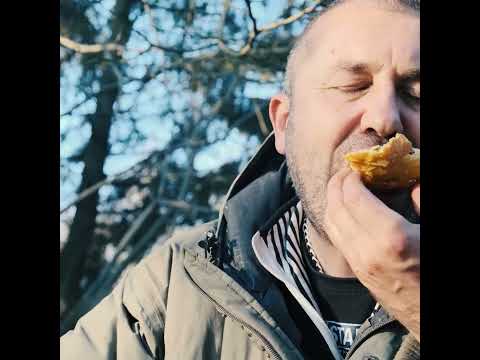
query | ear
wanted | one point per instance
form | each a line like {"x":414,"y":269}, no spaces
{"x":278,"y":110}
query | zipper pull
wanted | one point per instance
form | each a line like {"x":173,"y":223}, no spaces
{"x":209,"y":244}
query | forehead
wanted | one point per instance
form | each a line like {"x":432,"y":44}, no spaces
{"x":365,"y":33}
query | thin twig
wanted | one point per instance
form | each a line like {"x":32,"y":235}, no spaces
{"x":134,"y":168}
{"x":133,"y":229}
{"x":250,"y":14}
{"x":261,"y":120}
{"x":76,"y":106}
{"x":183,"y":205}
{"x":110,"y":179}
{"x":105,"y":88}
{"x":156,"y":46}
{"x":179,"y":51}
{"x":148,"y":10}
{"x":255,"y":32}
{"x":90,"y":191}
{"x":216,"y":107}
{"x":292,"y":18}
{"x":221,"y":26}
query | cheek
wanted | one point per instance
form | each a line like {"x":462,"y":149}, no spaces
{"x":411,"y":124}
{"x":325,"y":121}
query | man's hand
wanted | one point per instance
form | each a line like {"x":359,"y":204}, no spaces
{"x":381,"y":247}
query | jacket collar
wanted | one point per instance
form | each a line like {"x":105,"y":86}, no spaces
{"x":257,"y":194}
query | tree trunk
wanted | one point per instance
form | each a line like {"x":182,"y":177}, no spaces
{"x":81,"y":232}
{"x":72,"y":258}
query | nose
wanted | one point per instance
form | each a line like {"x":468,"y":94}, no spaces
{"x":382,"y":114}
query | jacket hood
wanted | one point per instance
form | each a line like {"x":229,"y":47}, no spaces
{"x":262,"y":190}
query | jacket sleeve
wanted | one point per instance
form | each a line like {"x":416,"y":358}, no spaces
{"x":409,"y":350}
{"x":128,"y":323}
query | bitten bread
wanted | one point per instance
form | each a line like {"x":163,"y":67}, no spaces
{"x":393,"y":165}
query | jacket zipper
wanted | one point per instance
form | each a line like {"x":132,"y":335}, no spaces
{"x":360,"y":339}
{"x":225,"y":312}
{"x":267,"y":344}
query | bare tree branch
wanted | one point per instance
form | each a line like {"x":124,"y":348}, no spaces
{"x":133,"y":169}
{"x":261,"y":120}
{"x":133,"y":229}
{"x":176,"y":50}
{"x":221,"y":44}
{"x":90,"y":49}
{"x":183,"y":205}
{"x":156,"y":46}
{"x":255,"y":32}
{"x":110,"y":179}
{"x":148,"y":10}
{"x":216,"y":107}
{"x":223,"y":17}
{"x":76,"y":106}
{"x":250,"y":14}
{"x":292,"y":18}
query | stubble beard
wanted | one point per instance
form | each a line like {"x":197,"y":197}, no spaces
{"x":311,"y":171}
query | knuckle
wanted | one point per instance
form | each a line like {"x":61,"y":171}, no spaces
{"x":369,"y":264}
{"x":373,"y":266}
{"x":397,"y":239}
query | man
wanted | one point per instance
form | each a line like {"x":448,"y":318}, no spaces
{"x":304,"y":262}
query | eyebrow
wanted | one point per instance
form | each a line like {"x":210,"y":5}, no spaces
{"x":357,"y":68}
{"x":361,"y":68}
{"x":411,"y":75}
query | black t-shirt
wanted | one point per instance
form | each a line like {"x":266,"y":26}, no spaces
{"x":344,"y":303}
{"x":312,"y":344}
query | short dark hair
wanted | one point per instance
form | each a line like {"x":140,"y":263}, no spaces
{"x":300,"y":42}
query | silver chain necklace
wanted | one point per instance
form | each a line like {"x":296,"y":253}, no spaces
{"x":317,"y":263}
{"x":310,"y":248}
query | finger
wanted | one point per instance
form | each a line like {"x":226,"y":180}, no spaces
{"x":368,"y":210}
{"x":342,"y":228}
{"x":416,"y":198}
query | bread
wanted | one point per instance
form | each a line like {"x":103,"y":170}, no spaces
{"x":393,"y":165}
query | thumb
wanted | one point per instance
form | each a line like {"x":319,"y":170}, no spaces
{"x":416,"y":198}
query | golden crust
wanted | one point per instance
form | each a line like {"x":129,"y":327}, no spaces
{"x":392,"y":165}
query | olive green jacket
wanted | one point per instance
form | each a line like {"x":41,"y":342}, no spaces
{"x":204,"y":295}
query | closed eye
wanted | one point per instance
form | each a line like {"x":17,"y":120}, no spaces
{"x":410,"y":95}
{"x":354,"y":89}
{"x":357,"y":89}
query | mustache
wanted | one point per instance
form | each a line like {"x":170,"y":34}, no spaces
{"x":356,"y":142}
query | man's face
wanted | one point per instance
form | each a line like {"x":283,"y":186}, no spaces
{"x":356,"y":85}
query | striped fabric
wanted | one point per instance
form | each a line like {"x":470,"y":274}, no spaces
{"x":284,"y":240}
{"x":278,"y":250}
